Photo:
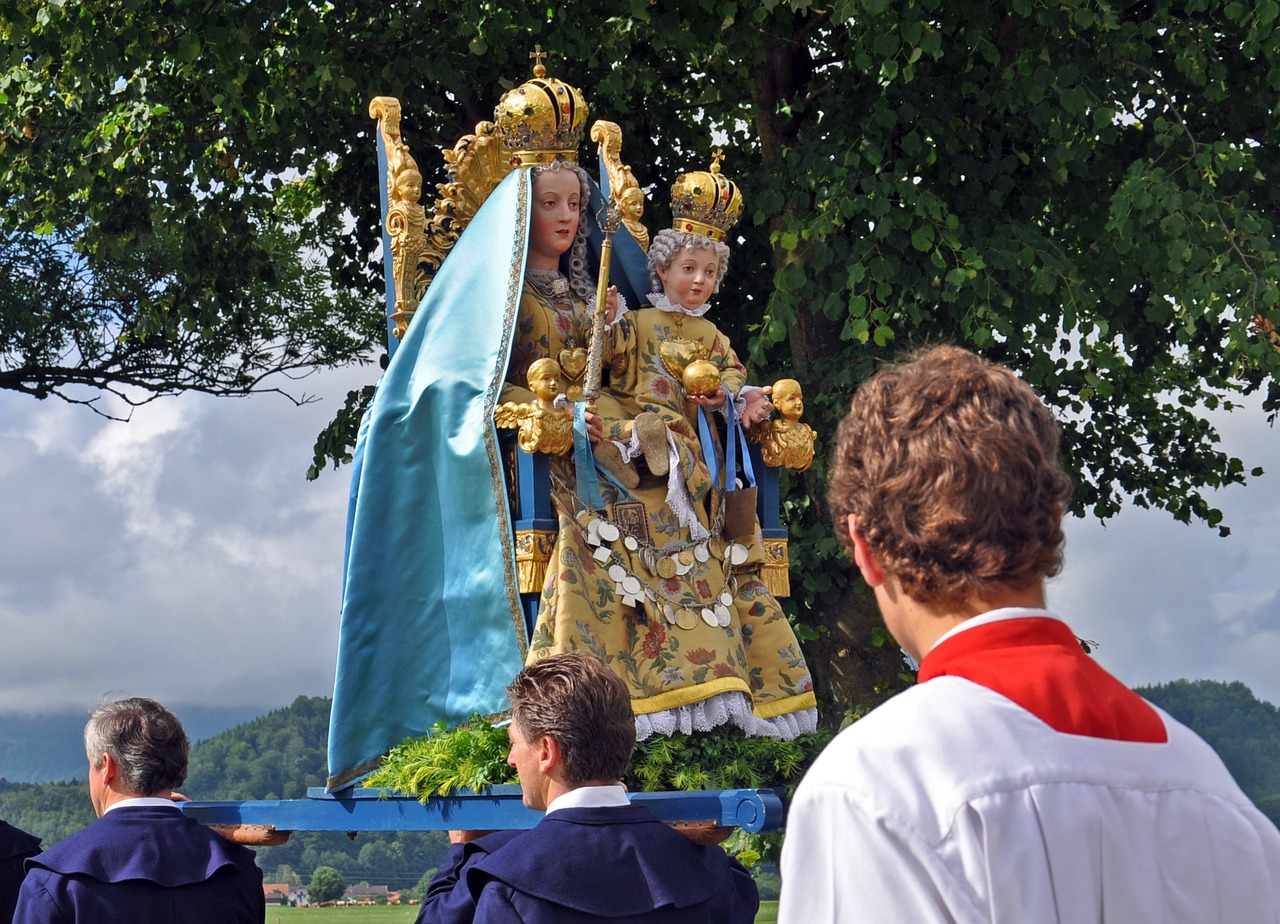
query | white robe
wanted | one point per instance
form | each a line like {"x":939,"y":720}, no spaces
{"x":952,"y":803}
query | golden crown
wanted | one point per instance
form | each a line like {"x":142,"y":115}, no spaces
{"x":706,"y":202}
{"x":542,"y":119}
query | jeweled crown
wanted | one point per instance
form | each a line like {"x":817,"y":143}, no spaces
{"x":542,"y":119}
{"x":706,"y":202}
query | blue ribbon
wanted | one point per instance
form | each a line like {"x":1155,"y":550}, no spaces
{"x":584,"y":460}
{"x":736,"y":436}
{"x":709,"y":454}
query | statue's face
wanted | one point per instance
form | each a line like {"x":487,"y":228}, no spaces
{"x":409,"y":186}
{"x":544,"y":382}
{"x":632,"y":204}
{"x":789,"y":402}
{"x":556,"y":212}
{"x":690,"y":278}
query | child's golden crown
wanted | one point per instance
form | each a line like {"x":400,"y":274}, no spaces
{"x":706,"y":202}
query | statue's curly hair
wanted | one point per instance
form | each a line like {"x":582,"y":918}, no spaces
{"x":667,"y":243}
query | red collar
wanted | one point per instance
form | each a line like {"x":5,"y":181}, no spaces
{"x":1038,"y":663}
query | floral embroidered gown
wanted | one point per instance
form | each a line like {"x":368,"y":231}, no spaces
{"x":698,"y":644}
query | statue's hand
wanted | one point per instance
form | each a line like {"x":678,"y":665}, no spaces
{"x":758,"y":406}
{"x":713,"y":401}
{"x":611,"y":303}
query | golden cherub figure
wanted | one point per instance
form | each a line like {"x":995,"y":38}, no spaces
{"x":540,"y":425}
{"x":785,"y":441}
{"x":406,"y":223}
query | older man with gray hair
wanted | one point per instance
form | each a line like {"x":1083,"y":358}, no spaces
{"x":142,"y":861}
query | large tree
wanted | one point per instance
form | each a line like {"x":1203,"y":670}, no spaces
{"x":1082,"y":190}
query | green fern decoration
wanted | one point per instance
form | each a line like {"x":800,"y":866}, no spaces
{"x":473,"y":756}
{"x":722,"y":758}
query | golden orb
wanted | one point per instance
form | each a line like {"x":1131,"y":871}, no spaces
{"x":701,"y":378}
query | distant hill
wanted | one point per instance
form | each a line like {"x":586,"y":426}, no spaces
{"x":49,"y":747}
{"x":1244,"y":730}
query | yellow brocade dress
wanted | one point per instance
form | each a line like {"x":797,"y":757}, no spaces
{"x":676,"y":611}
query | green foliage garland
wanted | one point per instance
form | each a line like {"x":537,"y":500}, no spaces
{"x":473,"y":756}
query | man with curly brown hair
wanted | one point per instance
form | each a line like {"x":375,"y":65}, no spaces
{"x":1017,"y":781}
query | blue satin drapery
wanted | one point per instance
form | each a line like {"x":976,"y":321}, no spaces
{"x":431,"y":622}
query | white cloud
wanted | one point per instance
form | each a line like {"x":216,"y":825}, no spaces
{"x":182,"y":555}
{"x":1166,"y":600}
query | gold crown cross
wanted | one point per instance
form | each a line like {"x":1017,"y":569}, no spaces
{"x":536,"y":56}
{"x":716,"y":156}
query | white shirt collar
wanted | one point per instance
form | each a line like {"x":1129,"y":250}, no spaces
{"x":139,"y":802}
{"x":982,"y":619}
{"x":610,"y":796}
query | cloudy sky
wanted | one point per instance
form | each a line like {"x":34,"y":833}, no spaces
{"x":184,"y":556}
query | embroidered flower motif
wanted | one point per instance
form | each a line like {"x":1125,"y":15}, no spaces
{"x":564,"y":325}
{"x":724,"y":670}
{"x":660,"y":387}
{"x":704,"y":590}
{"x":522,"y":356}
{"x":700,"y":656}
{"x":653,"y":639}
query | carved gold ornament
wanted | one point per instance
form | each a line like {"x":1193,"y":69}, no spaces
{"x":540,"y":426}
{"x":475,"y":165}
{"x":775,"y":573}
{"x":785,"y":442}
{"x":623,"y":187}
{"x":533,"y":551}
{"x":406,"y":218}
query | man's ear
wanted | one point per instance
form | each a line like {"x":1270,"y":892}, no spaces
{"x":863,"y":557}
{"x":109,"y":768}
{"x":548,"y":753}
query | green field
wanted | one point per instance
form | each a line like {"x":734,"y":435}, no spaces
{"x":351,"y":914}
{"x":373,"y":914}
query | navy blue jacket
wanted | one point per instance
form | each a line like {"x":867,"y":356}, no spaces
{"x":617,"y":864}
{"x":143,"y":865}
{"x":15,"y":846}
{"x":447,"y":900}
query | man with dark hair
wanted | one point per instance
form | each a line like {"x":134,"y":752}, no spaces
{"x":16,"y":846}
{"x":594,"y":856}
{"x":1017,"y":781}
{"x":142,"y":861}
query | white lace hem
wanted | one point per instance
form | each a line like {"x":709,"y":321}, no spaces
{"x":723,"y":709}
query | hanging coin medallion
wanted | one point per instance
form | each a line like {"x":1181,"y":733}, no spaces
{"x":633,"y":590}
